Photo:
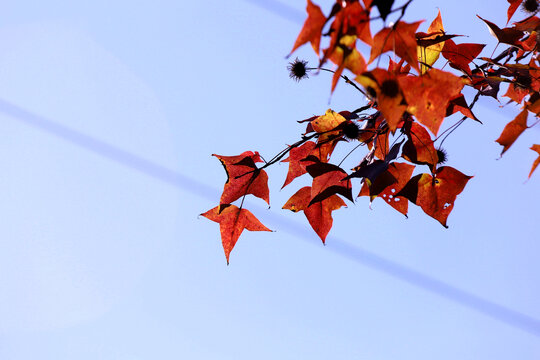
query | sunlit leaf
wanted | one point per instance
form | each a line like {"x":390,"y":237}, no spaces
{"x":318,"y":214}
{"x":243,"y":177}
{"x":512,"y":130}
{"x":312,"y":29}
{"x":428,"y":96}
{"x":536,"y":148}
{"x":400,"y":39}
{"x":232,"y":221}
{"x":436,"y":195}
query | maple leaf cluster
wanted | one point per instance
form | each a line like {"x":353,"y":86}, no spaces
{"x":407,"y":102}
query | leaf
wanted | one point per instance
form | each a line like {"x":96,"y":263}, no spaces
{"x":346,"y":56}
{"x":436,"y":195}
{"x":319,"y":214}
{"x":536,"y":148}
{"x":324,"y":125}
{"x":429,"y":54}
{"x":382,"y":145}
{"x":388,"y":92}
{"x":460,"y":56}
{"x":460,"y":104}
{"x":393,"y":153}
{"x":487,"y":85}
{"x":312,"y":29}
{"x":232,"y":221}
{"x":352,"y":19}
{"x":370,"y":171}
{"x":389,"y":184}
{"x":243,"y":177}
{"x":516,"y":93}
{"x":384,"y":7}
{"x":514,"y":4}
{"x":533,"y":104}
{"x":529,"y":24}
{"x":419,"y":147}
{"x":428,"y":96}
{"x":506,"y":36}
{"x":296,"y":166}
{"x":512,"y":130}
{"x":328,"y":179}
{"x":401,"y":39}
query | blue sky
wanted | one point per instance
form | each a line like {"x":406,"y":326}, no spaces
{"x":110,"y":114}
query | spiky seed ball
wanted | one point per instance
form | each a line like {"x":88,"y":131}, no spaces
{"x":298,"y":69}
{"x":390,"y":88}
{"x":351,"y":130}
{"x":530,"y":6}
{"x":442,"y":156}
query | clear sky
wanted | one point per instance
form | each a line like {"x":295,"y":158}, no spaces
{"x":109,"y":113}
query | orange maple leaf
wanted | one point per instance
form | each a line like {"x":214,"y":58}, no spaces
{"x":536,"y":148}
{"x":461,"y":55}
{"x":516,"y":93}
{"x":312,"y":29}
{"x":428,"y":95}
{"x":428,"y":55}
{"x":325,"y":124}
{"x":460,"y":104}
{"x":436,"y":195}
{"x":389,"y":184}
{"x":243,"y":177}
{"x":512,"y":130}
{"x":350,"y":19}
{"x":232,"y":221}
{"x":346,"y":56}
{"x":388,"y":93}
{"x":297,"y":167}
{"x":419,"y":148}
{"x":514,"y":4}
{"x":399,"y":38}
{"x":319,"y":214}
{"x":328,"y":179}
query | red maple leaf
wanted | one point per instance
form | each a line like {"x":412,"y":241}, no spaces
{"x":328,"y":179}
{"x":297,"y":167}
{"x":312,"y":29}
{"x":232,"y":221}
{"x":460,"y":104}
{"x":389,"y":184}
{"x":436,"y":194}
{"x":536,"y":148}
{"x":506,"y":35}
{"x":461,"y":55}
{"x":512,"y":130}
{"x":514,"y":4}
{"x":516,"y":92}
{"x":419,"y":148}
{"x":319,"y":214}
{"x":428,"y":95}
{"x":350,"y":19}
{"x":243,"y":177}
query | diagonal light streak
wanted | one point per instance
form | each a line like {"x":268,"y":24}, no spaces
{"x":361,"y":256}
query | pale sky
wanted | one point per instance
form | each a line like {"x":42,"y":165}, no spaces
{"x":110,"y":114}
